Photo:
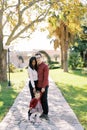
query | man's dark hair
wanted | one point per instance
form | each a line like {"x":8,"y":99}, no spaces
{"x":38,"y":53}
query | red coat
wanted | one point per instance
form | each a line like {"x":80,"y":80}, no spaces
{"x":43,"y":73}
{"x":34,"y":102}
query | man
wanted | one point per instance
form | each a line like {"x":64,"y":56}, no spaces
{"x":43,"y":84}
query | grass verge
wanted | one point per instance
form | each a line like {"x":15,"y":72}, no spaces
{"x":73,"y":86}
{"x":8,"y":94}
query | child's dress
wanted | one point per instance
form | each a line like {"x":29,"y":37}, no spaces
{"x":36,"y":109}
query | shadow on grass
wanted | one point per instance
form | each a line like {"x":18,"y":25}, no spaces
{"x":77,"y":99}
{"x":56,"y":67}
{"x":78,"y":72}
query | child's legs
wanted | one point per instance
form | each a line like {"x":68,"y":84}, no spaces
{"x":38,"y":117}
{"x":33,"y":117}
{"x":30,"y":112}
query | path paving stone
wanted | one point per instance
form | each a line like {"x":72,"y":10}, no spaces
{"x":61,"y":115}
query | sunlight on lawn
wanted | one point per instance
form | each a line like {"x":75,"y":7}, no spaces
{"x":71,"y":79}
{"x":1,"y":103}
{"x":73,"y":86}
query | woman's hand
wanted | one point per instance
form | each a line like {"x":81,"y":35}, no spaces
{"x":34,"y":90}
{"x":43,"y":90}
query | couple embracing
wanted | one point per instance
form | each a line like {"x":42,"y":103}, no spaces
{"x":38,"y":74}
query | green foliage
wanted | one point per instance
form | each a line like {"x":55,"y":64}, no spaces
{"x":54,"y":65}
{"x":81,"y":45}
{"x":12,"y":68}
{"x":75,"y":60}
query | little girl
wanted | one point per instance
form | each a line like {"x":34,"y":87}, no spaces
{"x":35,"y":108}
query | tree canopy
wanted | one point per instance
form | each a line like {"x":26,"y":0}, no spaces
{"x":65,"y":25}
{"x":20,"y":17}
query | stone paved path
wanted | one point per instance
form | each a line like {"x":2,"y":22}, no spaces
{"x":61,"y":115}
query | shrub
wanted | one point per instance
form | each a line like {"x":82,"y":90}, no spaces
{"x":12,"y":68}
{"x":54,"y":65}
{"x":75,"y":60}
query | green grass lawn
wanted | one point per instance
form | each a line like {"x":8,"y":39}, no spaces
{"x":8,"y":94}
{"x":73,"y":86}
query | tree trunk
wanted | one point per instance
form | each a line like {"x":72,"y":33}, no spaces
{"x":65,"y":60}
{"x":65,"y":49}
{"x":3,"y":66}
{"x":61,"y":57}
{"x":62,"y":43}
{"x":3,"y":55}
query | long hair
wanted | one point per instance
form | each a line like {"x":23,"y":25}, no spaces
{"x":30,"y":63}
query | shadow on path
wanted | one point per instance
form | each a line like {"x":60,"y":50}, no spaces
{"x":61,"y":115}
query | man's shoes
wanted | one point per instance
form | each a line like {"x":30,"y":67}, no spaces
{"x":44,"y":116}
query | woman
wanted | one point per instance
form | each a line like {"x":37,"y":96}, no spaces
{"x":32,"y":71}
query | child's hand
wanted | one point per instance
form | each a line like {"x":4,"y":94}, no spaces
{"x":30,"y":108}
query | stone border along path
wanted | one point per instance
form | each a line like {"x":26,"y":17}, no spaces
{"x":61,"y":115}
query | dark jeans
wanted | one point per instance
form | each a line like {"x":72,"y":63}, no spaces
{"x":31,"y":88}
{"x":44,"y":100}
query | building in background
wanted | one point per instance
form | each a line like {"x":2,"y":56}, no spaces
{"x":20,"y":59}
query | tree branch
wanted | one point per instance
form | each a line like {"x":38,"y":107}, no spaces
{"x":18,"y":24}
{"x":41,"y":17}
{"x":37,"y":20}
{"x":6,"y":20}
{"x":30,"y":5}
